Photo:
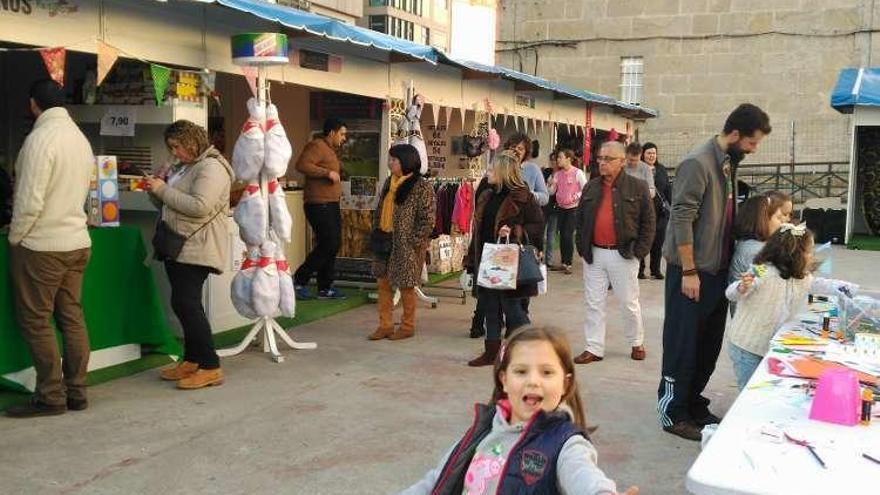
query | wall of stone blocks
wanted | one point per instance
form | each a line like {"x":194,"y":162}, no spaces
{"x":702,"y":58}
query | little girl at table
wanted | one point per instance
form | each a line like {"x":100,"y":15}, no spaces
{"x":531,"y":437}
{"x":772,"y":292}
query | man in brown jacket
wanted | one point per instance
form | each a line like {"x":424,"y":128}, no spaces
{"x":615,"y":228}
{"x":320,"y":165}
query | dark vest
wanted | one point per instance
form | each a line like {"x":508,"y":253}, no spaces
{"x":530,"y":468}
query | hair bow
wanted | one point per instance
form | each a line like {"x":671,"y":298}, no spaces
{"x":795,"y":230}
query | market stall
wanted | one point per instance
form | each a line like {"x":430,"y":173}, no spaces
{"x":858,"y":93}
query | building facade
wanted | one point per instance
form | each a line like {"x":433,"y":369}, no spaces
{"x":695,"y":60}
{"x":349,"y":11}
{"x":423,"y":21}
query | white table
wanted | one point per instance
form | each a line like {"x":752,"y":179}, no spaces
{"x":743,"y":458}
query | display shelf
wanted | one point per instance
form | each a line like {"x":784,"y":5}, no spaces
{"x":146,"y":114}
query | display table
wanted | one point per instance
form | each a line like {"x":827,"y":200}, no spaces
{"x":120,"y":301}
{"x":749,"y":454}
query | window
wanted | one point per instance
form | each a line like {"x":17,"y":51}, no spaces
{"x":379,"y":23}
{"x":632,"y":71}
{"x":378,"y":3}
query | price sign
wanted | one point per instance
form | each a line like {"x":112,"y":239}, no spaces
{"x":119,"y":121}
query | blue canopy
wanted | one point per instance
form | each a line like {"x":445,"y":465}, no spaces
{"x":332,"y":29}
{"x":856,"y":87}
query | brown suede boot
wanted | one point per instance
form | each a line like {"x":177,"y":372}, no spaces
{"x":179,"y":371}
{"x":487,"y":358}
{"x":386,"y":306}
{"x":201,"y":379}
{"x":407,"y":326}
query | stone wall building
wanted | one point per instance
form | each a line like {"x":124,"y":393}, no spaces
{"x":699,"y":59}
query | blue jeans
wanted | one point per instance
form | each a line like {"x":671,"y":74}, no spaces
{"x":550,"y":222}
{"x":744,"y":364}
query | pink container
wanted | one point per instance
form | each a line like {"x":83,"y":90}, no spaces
{"x":837,"y":397}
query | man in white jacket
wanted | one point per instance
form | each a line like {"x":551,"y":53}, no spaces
{"x":50,"y":247}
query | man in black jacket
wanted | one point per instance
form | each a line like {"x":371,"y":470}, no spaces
{"x":615,"y":227}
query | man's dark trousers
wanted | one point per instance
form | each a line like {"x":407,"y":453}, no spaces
{"x":692,"y":336}
{"x":326,"y":222}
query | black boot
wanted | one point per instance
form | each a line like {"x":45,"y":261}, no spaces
{"x":478,"y":327}
{"x":488,"y":356}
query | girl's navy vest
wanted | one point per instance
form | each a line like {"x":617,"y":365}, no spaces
{"x":530,"y":468}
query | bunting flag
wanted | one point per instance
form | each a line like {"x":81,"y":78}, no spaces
{"x":107,"y":55}
{"x":250,"y":73}
{"x":461,"y":112}
{"x":447,"y":112}
{"x":160,"y":81}
{"x":506,"y":117}
{"x":54,"y":60}
{"x":435,"y":110}
{"x":516,"y":122}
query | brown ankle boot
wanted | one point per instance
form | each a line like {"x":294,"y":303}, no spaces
{"x":408,"y":321}
{"x":201,"y":379}
{"x":179,"y":371}
{"x":381,"y":333}
{"x":488,"y":356}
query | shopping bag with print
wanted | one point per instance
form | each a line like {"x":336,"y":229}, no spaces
{"x":287,"y":304}
{"x":250,"y":215}
{"x":266,"y":290}
{"x":250,"y":147}
{"x":498,"y":266}
{"x":242,"y":286}
{"x":278,"y":148}
{"x":281,"y":222}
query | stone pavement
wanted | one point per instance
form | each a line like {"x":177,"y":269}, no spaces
{"x":352,"y":417}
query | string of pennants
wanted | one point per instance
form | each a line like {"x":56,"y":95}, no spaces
{"x":503,"y":119}
{"x":54,"y":58}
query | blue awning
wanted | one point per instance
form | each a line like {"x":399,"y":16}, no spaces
{"x":335,"y":30}
{"x":332,"y":29}
{"x":856,"y":87}
{"x":636,"y":111}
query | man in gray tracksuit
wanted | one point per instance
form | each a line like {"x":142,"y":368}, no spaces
{"x":698,"y":248}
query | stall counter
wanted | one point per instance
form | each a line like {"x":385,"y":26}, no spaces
{"x":120,"y":299}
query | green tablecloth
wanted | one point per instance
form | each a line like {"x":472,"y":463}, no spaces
{"x":120,"y":300}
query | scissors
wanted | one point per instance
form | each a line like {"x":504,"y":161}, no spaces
{"x":804,"y":443}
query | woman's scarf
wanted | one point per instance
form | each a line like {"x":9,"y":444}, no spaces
{"x":386,"y":221}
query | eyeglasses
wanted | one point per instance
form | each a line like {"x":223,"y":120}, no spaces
{"x":608,"y":158}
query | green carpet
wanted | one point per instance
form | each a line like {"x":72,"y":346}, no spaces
{"x":306,"y":312}
{"x":436,"y":278}
{"x":864,"y":242}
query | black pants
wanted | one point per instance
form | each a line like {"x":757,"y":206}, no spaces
{"x":692,"y":337}
{"x":326,"y":221}
{"x":656,"y":248}
{"x":186,"y":301}
{"x":495,"y":304}
{"x":567,"y":220}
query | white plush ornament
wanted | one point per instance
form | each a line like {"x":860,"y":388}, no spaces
{"x":278,"y":148}
{"x":266,"y":294}
{"x":411,"y":131}
{"x":242,"y":287}
{"x":281,"y":222}
{"x":250,"y":147}
{"x":287,"y":304}
{"x":250,"y":215}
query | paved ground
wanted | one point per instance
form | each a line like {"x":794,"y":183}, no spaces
{"x":352,"y":417}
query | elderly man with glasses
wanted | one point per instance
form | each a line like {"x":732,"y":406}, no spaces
{"x":615,"y":228}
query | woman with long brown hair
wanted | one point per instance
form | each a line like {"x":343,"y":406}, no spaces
{"x":505,"y":209}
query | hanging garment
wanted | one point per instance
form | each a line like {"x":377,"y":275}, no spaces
{"x":464,"y":207}
{"x":266,"y":287}
{"x":241,"y":289}
{"x":287,"y":296}
{"x":280,"y":216}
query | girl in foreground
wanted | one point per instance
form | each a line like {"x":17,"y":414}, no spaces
{"x":531,"y":438}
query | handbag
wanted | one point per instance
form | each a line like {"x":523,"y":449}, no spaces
{"x":380,"y":243}
{"x":529,"y":269}
{"x":168,"y":243}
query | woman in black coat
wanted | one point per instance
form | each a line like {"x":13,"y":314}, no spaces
{"x":506,"y":208}
{"x":661,"y":207}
